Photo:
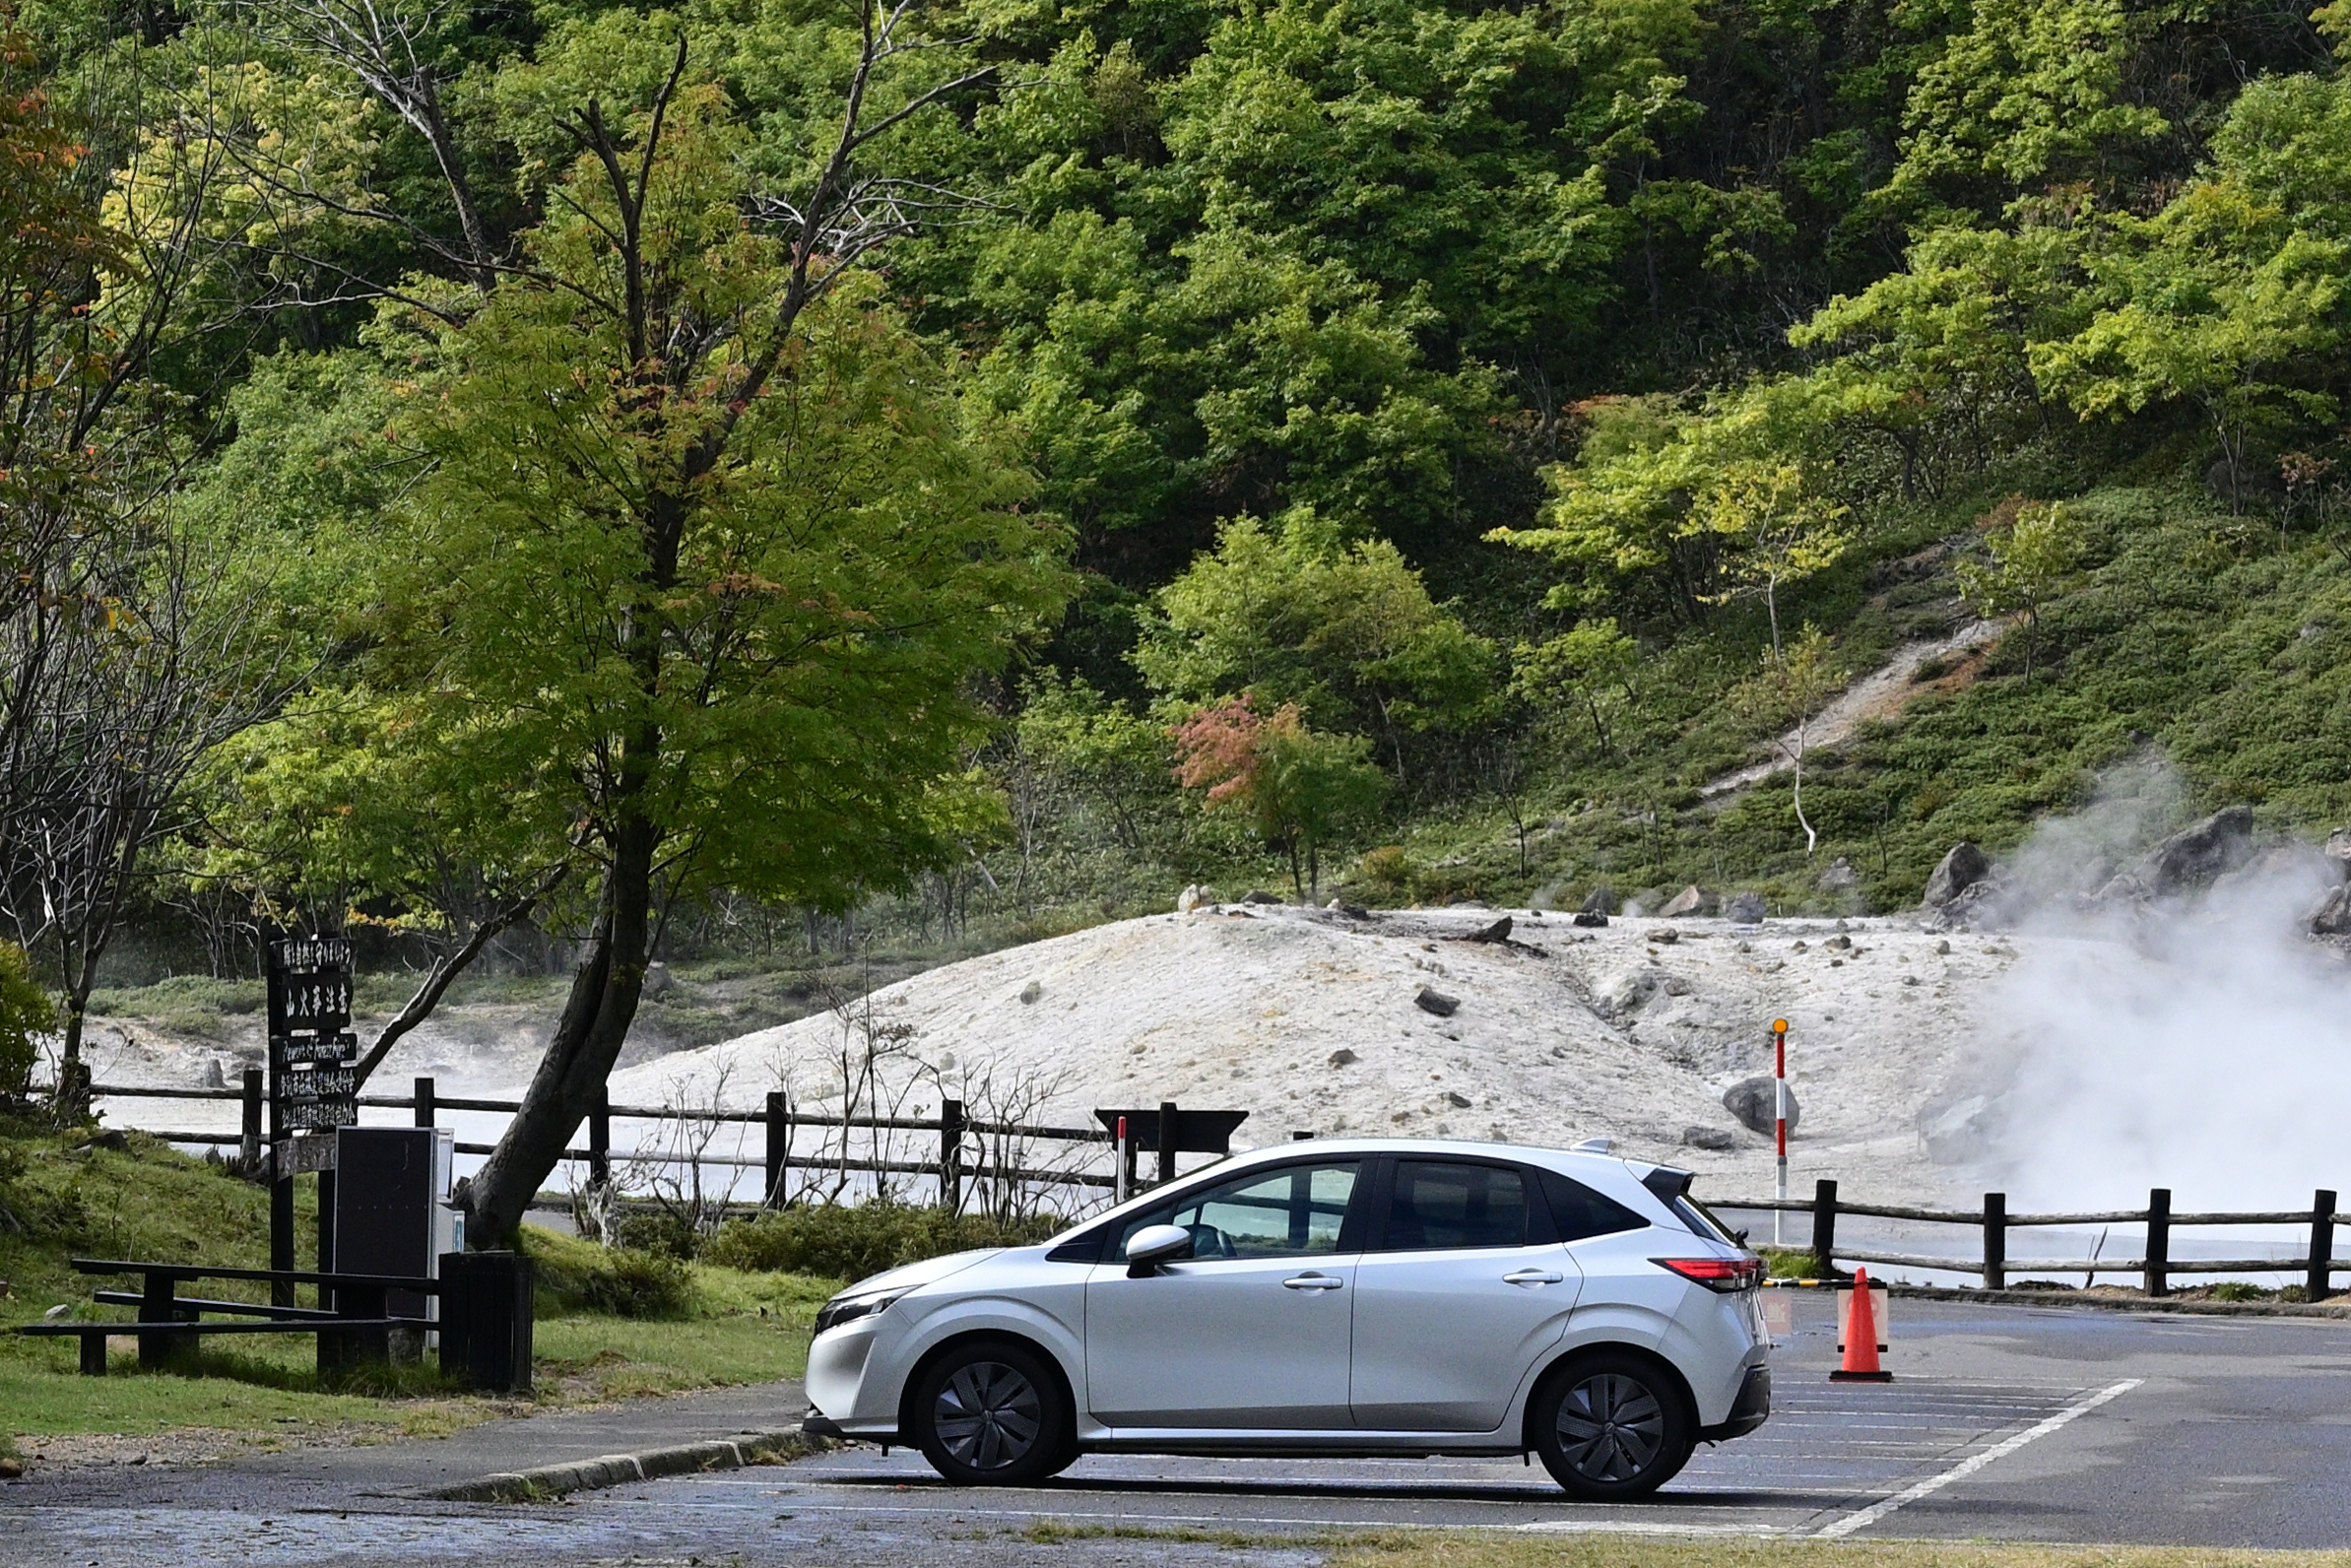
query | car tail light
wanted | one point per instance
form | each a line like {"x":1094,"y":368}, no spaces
{"x":1725,"y":1275}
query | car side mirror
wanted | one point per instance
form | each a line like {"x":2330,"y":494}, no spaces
{"x":1154,"y":1245}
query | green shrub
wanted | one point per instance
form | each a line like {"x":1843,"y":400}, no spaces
{"x":663,"y":1234}
{"x":846,"y":1242}
{"x":2240,"y":1290}
{"x":579,"y":1277}
{"x":25,"y":1011}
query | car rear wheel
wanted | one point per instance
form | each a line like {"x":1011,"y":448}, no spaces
{"x":1610,"y":1428}
{"x":991,"y":1415}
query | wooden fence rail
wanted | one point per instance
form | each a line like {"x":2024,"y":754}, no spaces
{"x":1993,"y":1223}
{"x":955,"y":1165}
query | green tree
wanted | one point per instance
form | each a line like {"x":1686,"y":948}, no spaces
{"x":1303,"y":789}
{"x":1590,"y":666}
{"x":1348,"y":632}
{"x":1783,"y":531}
{"x":2035,"y":547}
{"x":705,"y":564}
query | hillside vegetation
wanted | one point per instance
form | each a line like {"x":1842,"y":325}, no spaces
{"x":557,"y":486}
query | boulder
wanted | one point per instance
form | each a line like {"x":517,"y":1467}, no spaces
{"x":1713,"y":1138}
{"x":1747,"y":909}
{"x":1437,"y":1002}
{"x":1962,"y":868}
{"x":1030,"y":992}
{"x":1590,"y":917}
{"x":1342,"y":1057}
{"x":2332,"y":918}
{"x":2197,"y":855}
{"x":1624,"y":993}
{"x":1257,"y":895}
{"x":1754,"y":1101}
{"x":1601,"y":901}
{"x":1956,"y":1126}
{"x":2339,"y":850}
{"x":1665,"y":936}
{"x":1194,"y":898}
{"x":1499,"y":930}
{"x":658,"y":979}
{"x":1972,"y":910}
{"x":1840,"y":877}
{"x":1689,"y":902}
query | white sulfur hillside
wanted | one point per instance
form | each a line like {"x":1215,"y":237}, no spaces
{"x":1630,"y":1032}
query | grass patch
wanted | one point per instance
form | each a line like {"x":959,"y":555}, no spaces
{"x":1059,"y":1533}
{"x":696,"y":1326}
{"x":1467,"y":1549}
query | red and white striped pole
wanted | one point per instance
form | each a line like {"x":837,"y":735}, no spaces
{"x":1779,"y":1120}
{"x":1119,"y":1176}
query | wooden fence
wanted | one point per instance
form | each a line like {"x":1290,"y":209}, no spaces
{"x":1993,"y":1223}
{"x":956,"y":1163}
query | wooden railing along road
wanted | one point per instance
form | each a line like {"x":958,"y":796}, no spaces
{"x":956,"y":1161}
{"x":780,"y":1120}
{"x":2155,"y":1266}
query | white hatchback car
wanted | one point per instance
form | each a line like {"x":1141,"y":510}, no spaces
{"x":1340,"y":1296}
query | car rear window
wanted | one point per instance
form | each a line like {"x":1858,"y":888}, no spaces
{"x":1578,"y":1211}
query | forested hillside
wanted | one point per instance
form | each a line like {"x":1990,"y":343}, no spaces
{"x":647,"y":474}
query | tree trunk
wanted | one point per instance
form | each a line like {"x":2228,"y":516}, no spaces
{"x":603,"y":1003}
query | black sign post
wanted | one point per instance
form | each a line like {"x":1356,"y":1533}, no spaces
{"x":314,"y":1086}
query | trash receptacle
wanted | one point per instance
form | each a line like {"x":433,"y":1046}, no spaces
{"x":485,"y":1319}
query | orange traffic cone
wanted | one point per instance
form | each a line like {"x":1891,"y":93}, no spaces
{"x":1861,"y":1337}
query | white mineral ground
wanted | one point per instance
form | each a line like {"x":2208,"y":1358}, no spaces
{"x":1576,"y":1034}
{"x":1564,"y":1035}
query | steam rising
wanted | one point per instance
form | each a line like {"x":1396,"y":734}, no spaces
{"x":2201,"y":1043}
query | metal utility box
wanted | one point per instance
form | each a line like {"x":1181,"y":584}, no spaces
{"x":392,"y":1213}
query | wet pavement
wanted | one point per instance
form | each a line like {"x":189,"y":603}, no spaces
{"x":2004,"y":1422}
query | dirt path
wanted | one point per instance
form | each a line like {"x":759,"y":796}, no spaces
{"x":1881,"y":694}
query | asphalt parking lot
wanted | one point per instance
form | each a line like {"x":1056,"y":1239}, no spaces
{"x":2003,"y":1422}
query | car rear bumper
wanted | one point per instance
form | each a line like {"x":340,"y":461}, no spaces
{"x":1749,"y":1410}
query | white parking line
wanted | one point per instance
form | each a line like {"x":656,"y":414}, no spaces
{"x":1862,"y":1518}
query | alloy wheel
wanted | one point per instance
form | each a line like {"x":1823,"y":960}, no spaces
{"x":1611,"y":1427}
{"x":988,"y":1415}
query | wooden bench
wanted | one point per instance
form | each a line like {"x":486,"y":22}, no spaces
{"x":355,"y":1329}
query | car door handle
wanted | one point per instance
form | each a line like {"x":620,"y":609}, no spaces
{"x":1531,"y":1276}
{"x":1312,"y":1282}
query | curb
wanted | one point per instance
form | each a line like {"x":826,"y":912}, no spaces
{"x":620,"y":1469}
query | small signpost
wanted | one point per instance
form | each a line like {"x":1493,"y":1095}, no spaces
{"x":313,"y":1085}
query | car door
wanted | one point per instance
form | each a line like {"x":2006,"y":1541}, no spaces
{"x":1252,"y":1332}
{"x":1461,"y":1286}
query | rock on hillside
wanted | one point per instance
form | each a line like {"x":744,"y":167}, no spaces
{"x":1308,"y":1020}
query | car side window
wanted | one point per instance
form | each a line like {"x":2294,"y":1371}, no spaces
{"x":1443,"y":1203}
{"x":1294,"y":1212}
{"x":1578,"y":1212}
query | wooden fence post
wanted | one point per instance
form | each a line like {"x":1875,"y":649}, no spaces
{"x":1824,"y":1225}
{"x":2315,"y":1282}
{"x":950,"y":1155}
{"x":1167,"y":1140}
{"x":779,"y":1147}
{"x":427,"y":1107}
{"x":249,"y":1147}
{"x":600,"y":1140}
{"x":1995,"y":1241}
{"x":2159,"y":1242}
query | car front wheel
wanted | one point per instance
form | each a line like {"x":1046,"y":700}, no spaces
{"x":991,"y":1415}
{"x":1610,"y":1428}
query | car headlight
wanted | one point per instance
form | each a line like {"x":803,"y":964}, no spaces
{"x":849,"y":1308}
